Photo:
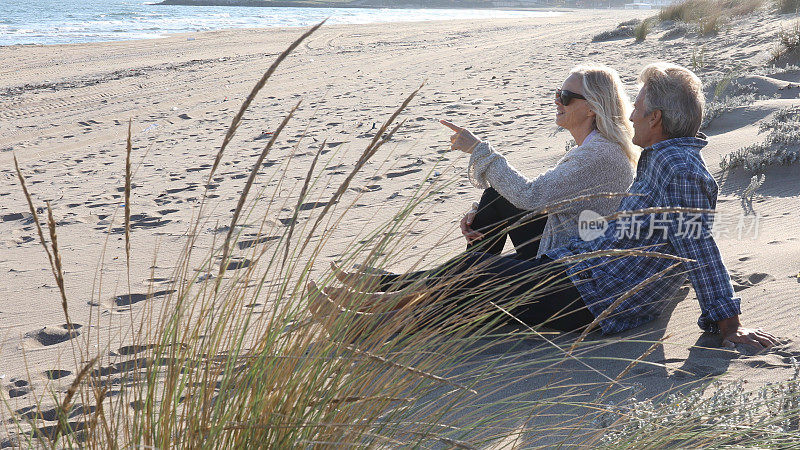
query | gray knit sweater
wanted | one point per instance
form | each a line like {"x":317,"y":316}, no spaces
{"x":598,"y":165}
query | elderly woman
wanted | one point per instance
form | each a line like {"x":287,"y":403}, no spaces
{"x":592,"y":105}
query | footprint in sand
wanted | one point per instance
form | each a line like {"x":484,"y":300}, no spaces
{"x":11,"y":217}
{"x":55,"y":374}
{"x":51,"y":415}
{"x":247,"y":243}
{"x":238,"y":264}
{"x":134,"y":349}
{"x":55,"y":334}
{"x":417,"y":163}
{"x":143,"y":221}
{"x":130,"y":299}
{"x":132,"y":365}
{"x":403,"y":173}
{"x":49,"y":432}
{"x":746,"y":281}
{"x":199,"y":168}
{"x":287,"y":222}
{"x":18,"y":387}
{"x":311,"y":205}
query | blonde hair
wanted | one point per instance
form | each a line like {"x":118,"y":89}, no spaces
{"x":678,"y":94}
{"x":606,"y":96}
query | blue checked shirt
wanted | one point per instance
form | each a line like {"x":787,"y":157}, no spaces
{"x":671,"y":173}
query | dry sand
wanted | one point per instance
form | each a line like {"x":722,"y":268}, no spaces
{"x":64,"y":112}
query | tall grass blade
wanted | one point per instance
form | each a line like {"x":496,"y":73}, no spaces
{"x":128,"y":148}
{"x":237,"y":119}
{"x":377,"y":141}
{"x":300,"y":199}
{"x":58,"y":271}
{"x":63,"y":408}
{"x":33,"y":214}
{"x":242,"y":198}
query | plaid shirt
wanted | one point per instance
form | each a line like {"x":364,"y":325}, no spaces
{"x":671,"y":173}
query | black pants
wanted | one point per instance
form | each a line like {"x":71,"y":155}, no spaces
{"x":497,"y":219}
{"x":534,"y":290}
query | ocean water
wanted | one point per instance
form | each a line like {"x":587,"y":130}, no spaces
{"x":74,"y":21}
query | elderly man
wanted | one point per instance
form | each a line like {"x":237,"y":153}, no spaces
{"x":671,"y":173}
{"x":622,"y":290}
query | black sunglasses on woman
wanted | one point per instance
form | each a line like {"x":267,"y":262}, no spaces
{"x":564,"y":96}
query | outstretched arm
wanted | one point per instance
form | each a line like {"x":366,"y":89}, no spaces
{"x":570,"y":178}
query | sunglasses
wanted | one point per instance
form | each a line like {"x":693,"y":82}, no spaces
{"x":564,"y":96}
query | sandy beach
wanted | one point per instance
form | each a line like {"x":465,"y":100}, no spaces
{"x":64,"y":113}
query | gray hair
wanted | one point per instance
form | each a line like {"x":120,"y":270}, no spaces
{"x":678,"y":94}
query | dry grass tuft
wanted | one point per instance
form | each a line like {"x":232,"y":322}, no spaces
{"x":641,"y":31}
{"x":788,"y":43}
{"x":709,"y":16}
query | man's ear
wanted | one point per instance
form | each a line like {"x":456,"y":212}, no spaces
{"x":655,"y":119}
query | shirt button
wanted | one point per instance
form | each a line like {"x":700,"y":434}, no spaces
{"x":583,"y":275}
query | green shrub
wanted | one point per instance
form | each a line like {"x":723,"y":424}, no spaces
{"x":788,"y":42}
{"x":780,"y":147}
{"x":790,"y":38}
{"x":642,"y":30}
{"x":726,"y":417}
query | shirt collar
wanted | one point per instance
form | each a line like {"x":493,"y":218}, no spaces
{"x":698,"y":141}
{"x":591,"y":136}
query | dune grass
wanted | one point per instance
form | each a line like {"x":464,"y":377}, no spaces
{"x":641,"y":30}
{"x":788,"y":42}
{"x":708,"y":16}
{"x":205,"y":369}
{"x":705,"y":17}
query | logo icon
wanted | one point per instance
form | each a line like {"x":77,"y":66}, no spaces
{"x":591,"y":225}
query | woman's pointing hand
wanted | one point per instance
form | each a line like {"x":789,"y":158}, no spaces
{"x":463,"y":139}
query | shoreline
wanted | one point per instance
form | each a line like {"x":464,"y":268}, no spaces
{"x":192,"y":35}
{"x":329,"y":5}
{"x":307,"y":16}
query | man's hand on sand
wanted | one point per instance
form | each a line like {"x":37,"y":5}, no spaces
{"x":734,"y":333}
{"x":463,"y":139}
{"x":466,"y":226}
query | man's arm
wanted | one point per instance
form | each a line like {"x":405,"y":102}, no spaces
{"x":707,"y":272}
